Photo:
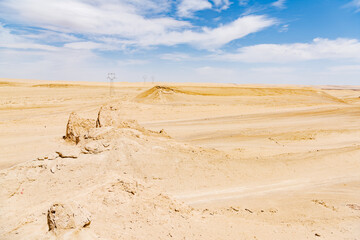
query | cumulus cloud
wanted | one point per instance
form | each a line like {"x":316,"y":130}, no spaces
{"x":222,"y":4}
{"x":318,"y":49}
{"x":187,"y":7}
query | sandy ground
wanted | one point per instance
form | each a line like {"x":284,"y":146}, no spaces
{"x":236,"y":162}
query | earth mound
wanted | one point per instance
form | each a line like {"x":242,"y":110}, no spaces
{"x":109,"y":123}
{"x":160,"y":94}
{"x":190,"y":94}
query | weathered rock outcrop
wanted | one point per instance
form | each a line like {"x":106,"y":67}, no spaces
{"x":78,"y":128}
{"x":110,"y":116}
{"x":68,"y":152}
{"x":95,"y":147}
{"x":109,"y":124}
{"x":67,"y":216}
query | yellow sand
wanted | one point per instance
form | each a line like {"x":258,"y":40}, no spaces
{"x":243,"y":161}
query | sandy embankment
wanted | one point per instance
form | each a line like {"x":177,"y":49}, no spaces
{"x":241,"y":162}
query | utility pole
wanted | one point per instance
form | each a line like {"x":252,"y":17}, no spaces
{"x":111,"y":77}
{"x":144,"y":77}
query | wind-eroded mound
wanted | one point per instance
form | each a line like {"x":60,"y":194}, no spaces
{"x":110,"y":122}
{"x":165,"y":94}
{"x":160,"y":94}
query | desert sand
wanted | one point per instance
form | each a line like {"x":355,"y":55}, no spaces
{"x":178,"y":161}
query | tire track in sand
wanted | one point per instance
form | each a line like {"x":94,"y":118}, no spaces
{"x":202,"y":197}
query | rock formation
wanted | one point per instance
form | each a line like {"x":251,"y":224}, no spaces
{"x":67,"y":216}
{"x":78,"y":128}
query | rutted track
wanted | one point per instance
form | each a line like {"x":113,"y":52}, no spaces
{"x":206,"y":197}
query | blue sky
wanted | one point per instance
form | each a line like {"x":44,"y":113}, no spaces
{"x":235,"y":41}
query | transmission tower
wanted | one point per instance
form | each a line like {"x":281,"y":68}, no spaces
{"x":144,"y":77}
{"x":111,"y":77}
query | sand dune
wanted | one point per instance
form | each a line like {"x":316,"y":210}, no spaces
{"x":178,"y":161}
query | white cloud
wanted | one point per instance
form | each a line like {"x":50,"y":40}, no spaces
{"x":129,"y":62}
{"x":125,"y":22}
{"x":176,"y":57}
{"x":211,"y":38}
{"x":222,"y":4}
{"x":88,"y":17}
{"x":272,"y":70}
{"x":66,"y":64}
{"x":253,"y":9}
{"x":206,"y":38}
{"x":243,"y":2}
{"x":153,"y":6}
{"x":12,"y":41}
{"x":279,"y":4}
{"x":216,"y":72}
{"x":48,"y":36}
{"x":89,"y":46}
{"x":355,"y":4}
{"x":345,"y":68}
{"x":187,"y":7}
{"x":284,"y":28}
{"x":318,"y":49}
